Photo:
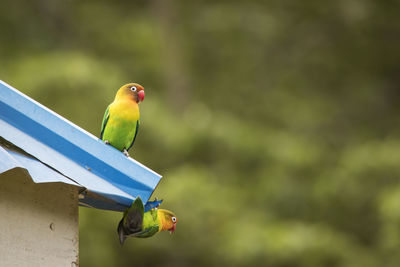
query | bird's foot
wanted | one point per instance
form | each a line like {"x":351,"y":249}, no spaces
{"x":126,"y":152}
{"x":106,"y":142}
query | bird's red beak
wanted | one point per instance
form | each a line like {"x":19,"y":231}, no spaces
{"x":172,"y":230}
{"x":140,"y":96}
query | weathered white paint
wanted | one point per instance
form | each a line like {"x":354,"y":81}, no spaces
{"x":38,"y":222}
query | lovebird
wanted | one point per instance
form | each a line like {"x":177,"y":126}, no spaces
{"x":120,"y":124}
{"x":137,"y":223}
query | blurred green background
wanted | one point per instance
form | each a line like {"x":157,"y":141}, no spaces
{"x":274,"y":123}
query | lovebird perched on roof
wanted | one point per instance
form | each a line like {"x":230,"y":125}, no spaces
{"x":137,"y":223}
{"x":121,"y":120}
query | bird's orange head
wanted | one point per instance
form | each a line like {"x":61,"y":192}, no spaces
{"x":131,"y":90}
{"x":168,"y":220}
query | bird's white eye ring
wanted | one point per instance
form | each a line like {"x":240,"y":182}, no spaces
{"x":173,"y":219}
{"x":133,"y":88}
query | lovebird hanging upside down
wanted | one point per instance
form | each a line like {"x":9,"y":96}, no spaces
{"x":121,"y":120}
{"x":137,"y":223}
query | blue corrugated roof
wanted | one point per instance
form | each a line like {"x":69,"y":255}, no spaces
{"x":52,"y":149}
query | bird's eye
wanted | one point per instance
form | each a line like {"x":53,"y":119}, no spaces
{"x":133,"y":88}
{"x":173,"y":219}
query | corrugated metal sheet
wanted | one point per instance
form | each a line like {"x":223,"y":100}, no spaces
{"x":39,"y":172}
{"x":52,"y":149}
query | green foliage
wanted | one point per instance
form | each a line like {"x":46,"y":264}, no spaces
{"x":274,"y":123}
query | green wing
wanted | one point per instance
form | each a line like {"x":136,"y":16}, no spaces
{"x":132,"y":221}
{"x":134,"y":215}
{"x":136,"y":132}
{"x":104,"y":122}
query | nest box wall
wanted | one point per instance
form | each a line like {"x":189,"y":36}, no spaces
{"x":39,"y":225}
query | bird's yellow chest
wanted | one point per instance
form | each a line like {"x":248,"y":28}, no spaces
{"x":125,"y":110}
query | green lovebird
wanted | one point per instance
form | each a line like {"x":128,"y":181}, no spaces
{"x":121,"y":120}
{"x":137,"y":223}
